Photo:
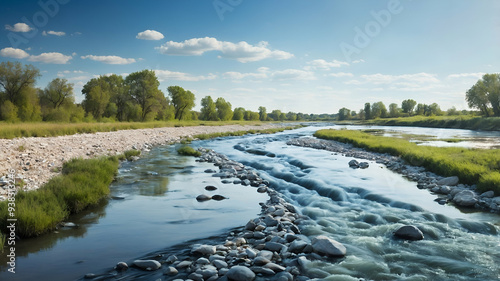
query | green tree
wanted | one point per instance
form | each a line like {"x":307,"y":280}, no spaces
{"x":291,"y":116}
{"x":408,"y":106}
{"x":224,"y":111}
{"x":262,"y":113}
{"x":239,"y":113}
{"x":344,"y":114}
{"x":378,"y":110}
{"x":208,"y":110}
{"x":143,"y":89}
{"x":434,"y":109}
{"x":394,"y":110}
{"x":368,"y":111}
{"x":57,"y":93}
{"x":492,"y":85}
{"x":182,"y":100}
{"x":452,"y":111}
{"x":251,"y":116}
{"x":420,"y":109}
{"x":275,"y":115}
{"x":8,"y":111}
{"x":361,"y":114}
{"x":485,"y":93}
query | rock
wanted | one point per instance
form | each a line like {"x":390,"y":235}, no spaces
{"x":203,"y":197}
{"x":68,"y":224}
{"x":184,"y":264}
{"x":210,"y":188}
{"x":261,"y":261}
{"x":240,"y":273}
{"x":121,"y":266}
{"x":202,"y":261}
{"x":204,"y":250}
{"x":450,"y":181}
{"x":273,"y":246}
{"x":195,"y":276}
{"x":250,"y":225}
{"x":325,"y":245}
{"x":218,"y":197}
{"x":363,"y":165}
{"x":147,"y":264}
{"x":171,"y":259}
{"x":275,"y":267}
{"x":171,"y":271}
{"x":219,"y":264}
{"x":465,"y":198}
{"x":262,"y":189}
{"x":353,"y":163}
{"x":496,"y":200}
{"x":250,"y":253}
{"x":210,"y":171}
{"x":297,"y":246}
{"x":262,"y":270}
{"x":409,"y":232}
{"x":488,"y":194}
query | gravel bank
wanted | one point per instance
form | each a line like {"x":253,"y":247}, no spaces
{"x":36,"y":160}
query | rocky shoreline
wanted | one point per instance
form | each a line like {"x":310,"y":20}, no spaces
{"x":447,"y":189}
{"x":269,"y":247}
{"x":37,"y":159}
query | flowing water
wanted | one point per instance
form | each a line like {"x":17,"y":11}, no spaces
{"x":359,"y":208}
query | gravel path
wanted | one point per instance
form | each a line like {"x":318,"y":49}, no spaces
{"x":36,"y":160}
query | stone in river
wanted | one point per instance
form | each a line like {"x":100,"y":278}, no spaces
{"x":210,"y":188}
{"x":121,"y":266}
{"x":204,"y":249}
{"x":353,"y":163}
{"x":218,"y":197}
{"x":465,"y":198}
{"x":409,"y":232}
{"x":363,"y":165}
{"x":327,"y":246}
{"x":450,"y":181}
{"x":203,"y":197}
{"x":240,"y":273}
{"x":171,"y":271}
{"x":147,"y":264}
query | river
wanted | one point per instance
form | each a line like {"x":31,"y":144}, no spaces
{"x":359,"y":208}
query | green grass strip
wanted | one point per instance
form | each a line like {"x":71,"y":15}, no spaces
{"x":83,"y":183}
{"x":472,"y":166}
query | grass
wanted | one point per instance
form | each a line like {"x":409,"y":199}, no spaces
{"x":131,"y":153}
{"x":47,"y":129}
{"x":472,"y":166}
{"x":83,"y":183}
{"x":242,"y":133}
{"x":455,"y":122}
{"x":188,"y":151}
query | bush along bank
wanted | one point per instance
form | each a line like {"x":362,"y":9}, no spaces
{"x":82,"y":183}
{"x":447,"y":186}
{"x":269,"y":247}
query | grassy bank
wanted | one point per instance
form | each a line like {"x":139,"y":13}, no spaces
{"x":472,"y":166}
{"x":83,"y":183}
{"x":454,"y":122}
{"x":45,"y":129}
{"x":242,"y":133}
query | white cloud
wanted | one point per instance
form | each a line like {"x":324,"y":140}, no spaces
{"x":388,"y":79}
{"x":181,"y":76}
{"x":56,"y":33}
{"x":241,"y":51}
{"x":359,"y":61}
{"x":13,"y":53}
{"x":55,"y":58}
{"x":341,"y":74}
{"x":293,"y":74}
{"x":18,"y":27}
{"x":476,"y":75}
{"x":79,"y":78}
{"x":325,"y":65}
{"x":109,"y":59}
{"x":150,"y":35}
{"x":260,"y":74}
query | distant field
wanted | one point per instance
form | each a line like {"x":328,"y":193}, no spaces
{"x":456,"y":122}
{"x":45,"y":129}
{"x":472,"y":166}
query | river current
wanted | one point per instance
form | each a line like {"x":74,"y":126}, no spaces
{"x":359,"y":208}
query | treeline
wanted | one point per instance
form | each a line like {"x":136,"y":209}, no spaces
{"x":136,"y":97}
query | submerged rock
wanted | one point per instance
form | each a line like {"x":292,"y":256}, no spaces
{"x":218,"y":197}
{"x":147,"y":264}
{"x":409,"y":232}
{"x":203,"y":197}
{"x":327,"y":246}
{"x":121,"y":266}
{"x":363,"y":165}
{"x":210,"y":188}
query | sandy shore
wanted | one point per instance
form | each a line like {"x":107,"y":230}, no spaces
{"x":36,"y":160}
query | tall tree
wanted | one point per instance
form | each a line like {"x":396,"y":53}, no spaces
{"x":492,"y":84}
{"x":143,"y":89}
{"x":408,"y":106}
{"x":344,"y":114}
{"x":477,"y":97}
{"x":224,"y":111}
{"x":106,"y":96}
{"x":239,"y":113}
{"x":378,"y":110}
{"x":57,"y":93}
{"x":183,"y":101}
{"x":208,"y":110}
{"x":262,"y":113}
{"x":393,"y":110}
{"x":368,"y":111}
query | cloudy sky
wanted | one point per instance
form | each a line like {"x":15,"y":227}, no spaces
{"x":305,"y":56}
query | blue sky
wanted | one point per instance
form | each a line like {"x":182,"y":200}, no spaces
{"x":304,"y":56}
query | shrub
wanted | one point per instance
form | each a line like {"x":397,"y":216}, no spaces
{"x":130,"y":153}
{"x":188,"y":151}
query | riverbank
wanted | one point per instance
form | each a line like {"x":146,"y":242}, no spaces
{"x":452,"y":122}
{"x":447,"y":189}
{"x":37,"y":159}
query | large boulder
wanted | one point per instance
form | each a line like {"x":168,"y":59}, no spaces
{"x":409,"y":232}
{"x":465,"y":198}
{"x":327,"y":246}
{"x":450,"y":181}
{"x":240,"y":273}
